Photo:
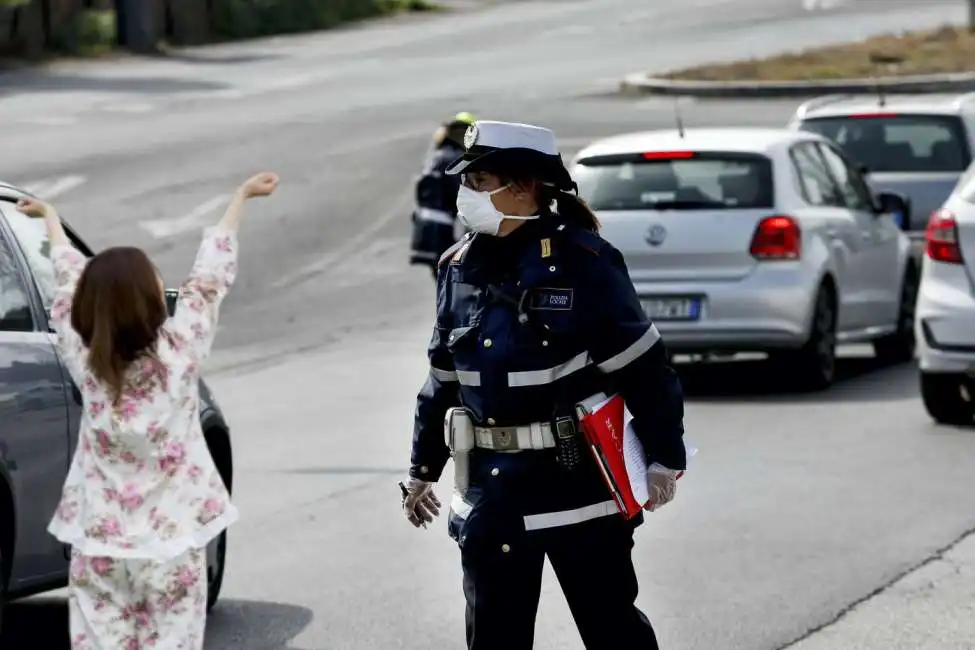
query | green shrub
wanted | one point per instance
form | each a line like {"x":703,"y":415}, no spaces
{"x":96,"y":31}
{"x":235,"y":19}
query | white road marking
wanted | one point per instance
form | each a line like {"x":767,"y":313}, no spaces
{"x":50,"y":120}
{"x":192,"y":220}
{"x":127,"y":107}
{"x":826,"y":5}
{"x":396,"y":211}
{"x":51,"y":188}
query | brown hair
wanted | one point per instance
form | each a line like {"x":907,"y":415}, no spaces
{"x":571,"y":208}
{"x":117,"y":311}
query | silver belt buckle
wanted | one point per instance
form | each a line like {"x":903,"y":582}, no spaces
{"x":504,"y":439}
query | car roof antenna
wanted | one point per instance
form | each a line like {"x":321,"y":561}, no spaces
{"x":878,"y":59}
{"x":678,"y":118}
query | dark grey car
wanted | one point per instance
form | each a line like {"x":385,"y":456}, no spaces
{"x":39,"y":416}
{"x":915,"y":145}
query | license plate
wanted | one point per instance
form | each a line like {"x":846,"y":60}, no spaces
{"x":672,"y":308}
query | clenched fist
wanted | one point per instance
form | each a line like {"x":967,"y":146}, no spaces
{"x":34,"y":208}
{"x":262,"y":184}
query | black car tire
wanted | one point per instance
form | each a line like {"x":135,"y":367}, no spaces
{"x":3,"y":591}
{"x":216,"y":570}
{"x":941,"y":393}
{"x":813,"y":366}
{"x":899,"y":346}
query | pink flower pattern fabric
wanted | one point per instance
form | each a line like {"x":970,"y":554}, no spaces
{"x":166,"y":610}
{"x":142,"y":483}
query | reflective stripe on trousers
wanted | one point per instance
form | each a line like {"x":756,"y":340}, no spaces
{"x":540,"y":521}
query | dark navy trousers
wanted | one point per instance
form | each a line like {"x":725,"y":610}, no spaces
{"x":592,"y":560}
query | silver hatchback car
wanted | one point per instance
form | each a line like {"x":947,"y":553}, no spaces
{"x":755,"y":240}
{"x":918,"y":145}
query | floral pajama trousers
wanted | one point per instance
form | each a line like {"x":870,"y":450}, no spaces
{"x":122,"y":604}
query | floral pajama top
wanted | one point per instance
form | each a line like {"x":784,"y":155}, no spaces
{"x":142,"y":483}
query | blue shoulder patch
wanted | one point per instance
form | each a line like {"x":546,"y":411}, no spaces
{"x":456,"y":251}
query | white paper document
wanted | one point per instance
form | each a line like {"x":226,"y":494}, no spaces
{"x":635,"y":460}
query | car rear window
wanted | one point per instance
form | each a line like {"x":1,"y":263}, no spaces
{"x":675,"y":181}
{"x":898,"y":143}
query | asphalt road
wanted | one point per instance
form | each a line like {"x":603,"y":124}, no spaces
{"x":795,"y":507}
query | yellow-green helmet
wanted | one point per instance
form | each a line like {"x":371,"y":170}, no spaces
{"x":463,"y":118}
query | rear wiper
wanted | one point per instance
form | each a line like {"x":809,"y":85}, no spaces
{"x":684,"y":205}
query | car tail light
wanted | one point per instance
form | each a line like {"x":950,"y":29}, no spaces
{"x":777,"y":238}
{"x":941,"y":238}
{"x":668,"y":155}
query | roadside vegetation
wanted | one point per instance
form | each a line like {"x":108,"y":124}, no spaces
{"x":947,"y":49}
{"x":38,"y":29}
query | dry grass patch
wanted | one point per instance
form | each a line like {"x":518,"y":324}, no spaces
{"x":943,"y":50}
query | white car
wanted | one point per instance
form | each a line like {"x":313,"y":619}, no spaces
{"x":945,"y":322}
{"x":755,"y":240}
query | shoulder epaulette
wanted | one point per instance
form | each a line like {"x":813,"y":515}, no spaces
{"x":455,"y":251}
{"x":583,"y":238}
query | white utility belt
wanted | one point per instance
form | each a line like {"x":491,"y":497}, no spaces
{"x":462,"y":436}
{"x":535,"y":436}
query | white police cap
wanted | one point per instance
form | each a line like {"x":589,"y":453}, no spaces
{"x":485,"y":137}
{"x":510,"y":146}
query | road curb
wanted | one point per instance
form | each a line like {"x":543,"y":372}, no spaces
{"x":642,"y":84}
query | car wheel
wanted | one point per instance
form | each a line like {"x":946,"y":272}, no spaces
{"x":944,"y":400}
{"x":899,"y":346}
{"x":813,"y":366}
{"x":216,"y":565}
{"x":3,"y":591}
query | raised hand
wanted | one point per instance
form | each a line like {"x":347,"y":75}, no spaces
{"x":262,"y":184}
{"x":34,"y":208}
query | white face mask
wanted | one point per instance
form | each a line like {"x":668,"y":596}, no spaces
{"x":478,"y":212}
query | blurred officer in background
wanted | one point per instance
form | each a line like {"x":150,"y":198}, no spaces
{"x":435,"y":227}
{"x":536,"y":313}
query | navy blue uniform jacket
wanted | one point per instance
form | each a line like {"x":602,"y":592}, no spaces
{"x":586,"y":333}
{"x":436,"y":211}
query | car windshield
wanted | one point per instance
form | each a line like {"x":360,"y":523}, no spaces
{"x":681,"y":181}
{"x":898,"y":143}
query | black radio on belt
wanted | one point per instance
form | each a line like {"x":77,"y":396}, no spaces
{"x":567,"y":442}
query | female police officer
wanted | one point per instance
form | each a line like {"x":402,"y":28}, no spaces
{"x":535,"y":313}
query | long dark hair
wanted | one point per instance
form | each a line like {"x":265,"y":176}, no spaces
{"x":569,"y":208}
{"x":117,"y":311}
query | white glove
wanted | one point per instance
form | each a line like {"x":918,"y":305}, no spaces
{"x":420,"y":504}
{"x":663,"y":486}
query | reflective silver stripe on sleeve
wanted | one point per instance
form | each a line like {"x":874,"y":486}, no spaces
{"x":468,"y":378}
{"x":549,"y":375}
{"x":569,"y":517}
{"x":443,"y":375}
{"x":436,"y":216}
{"x":632,"y":353}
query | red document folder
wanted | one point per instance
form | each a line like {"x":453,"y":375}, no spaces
{"x":617,"y":452}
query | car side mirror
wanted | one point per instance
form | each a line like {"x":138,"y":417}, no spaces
{"x":172,"y":295}
{"x":897,"y":206}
